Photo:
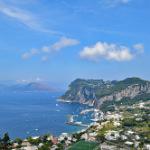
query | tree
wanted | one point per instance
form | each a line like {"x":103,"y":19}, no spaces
{"x":1,"y":143}
{"x":34,"y":141}
{"x":5,"y":141}
{"x":44,"y":147}
{"x":6,"y":138}
{"x":100,"y":138}
{"x":18,"y":140}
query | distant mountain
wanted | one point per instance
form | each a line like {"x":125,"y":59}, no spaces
{"x":103,"y":93}
{"x":27,"y":87}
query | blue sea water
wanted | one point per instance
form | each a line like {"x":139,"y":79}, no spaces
{"x":24,"y":114}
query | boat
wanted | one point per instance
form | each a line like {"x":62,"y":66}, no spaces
{"x":77,"y":124}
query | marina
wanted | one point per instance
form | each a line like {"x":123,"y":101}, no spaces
{"x":75,"y":123}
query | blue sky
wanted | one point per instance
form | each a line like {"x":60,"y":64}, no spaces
{"x":60,"y":40}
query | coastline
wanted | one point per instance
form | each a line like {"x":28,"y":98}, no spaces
{"x":35,"y":111}
{"x":102,"y":133}
{"x":71,"y":102}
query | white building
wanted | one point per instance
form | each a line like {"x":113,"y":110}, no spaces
{"x":147,"y":146}
{"x":84,"y":136}
{"x":123,"y":137}
{"x":112,"y":135}
{"x":116,"y":117}
{"x":129,"y":143}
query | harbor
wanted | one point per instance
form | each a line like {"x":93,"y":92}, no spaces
{"x":75,"y":123}
{"x":95,"y":115}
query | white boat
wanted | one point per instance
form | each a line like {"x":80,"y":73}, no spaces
{"x":78,"y":123}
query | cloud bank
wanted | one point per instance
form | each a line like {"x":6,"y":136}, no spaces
{"x":103,"y":50}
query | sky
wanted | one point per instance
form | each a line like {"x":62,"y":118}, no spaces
{"x":61,"y":40}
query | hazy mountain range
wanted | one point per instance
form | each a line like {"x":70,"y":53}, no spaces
{"x":27,"y":87}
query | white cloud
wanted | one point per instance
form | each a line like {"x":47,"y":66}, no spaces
{"x":23,"y":16}
{"x":34,"y":79}
{"x":57,"y":46}
{"x":44,"y":58}
{"x":113,"y":3}
{"x":29,"y":54}
{"x":139,"y":48}
{"x":18,"y":14}
{"x":62,"y":43}
{"x":103,"y":50}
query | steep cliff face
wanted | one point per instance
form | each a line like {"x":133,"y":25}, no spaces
{"x":130,"y":92}
{"x":82,"y":91}
{"x":98,"y":91}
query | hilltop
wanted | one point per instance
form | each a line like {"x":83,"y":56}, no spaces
{"x":107,"y":93}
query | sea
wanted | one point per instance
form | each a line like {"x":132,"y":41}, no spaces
{"x":24,"y":114}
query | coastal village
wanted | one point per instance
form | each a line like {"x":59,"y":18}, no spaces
{"x":74,"y":75}
{"x":125,"y":128}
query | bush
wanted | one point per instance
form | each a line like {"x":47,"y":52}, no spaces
{"x":45,"y":147}
{"x":34,"y":141}
{"x":18,"y":140}
{"x":129,"y":122}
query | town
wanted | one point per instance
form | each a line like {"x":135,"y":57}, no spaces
{"x":127,"y":127}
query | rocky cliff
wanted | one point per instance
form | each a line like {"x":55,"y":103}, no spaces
{"x":97,"y":92}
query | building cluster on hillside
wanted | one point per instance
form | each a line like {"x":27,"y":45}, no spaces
{"x":127,"y":127}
